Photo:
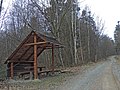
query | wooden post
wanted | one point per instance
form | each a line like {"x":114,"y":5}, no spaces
{"x":31,"y":75}
{"x":11,"y":71}
{"x":52,"y":58}
{"x":35,"y":58}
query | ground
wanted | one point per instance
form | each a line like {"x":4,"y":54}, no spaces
{"x":103,"y":75}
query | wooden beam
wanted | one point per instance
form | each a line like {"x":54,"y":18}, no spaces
{"x":50,"y":45}
{"x":32,"y":53}
{"x":21,"y":61}
{"x":37,"y":43}
{"x":35,"y":58}
{"x":11,"y":71}
{"x":53,"y":59}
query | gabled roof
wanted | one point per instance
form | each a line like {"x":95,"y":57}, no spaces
{"x":24,"y":52}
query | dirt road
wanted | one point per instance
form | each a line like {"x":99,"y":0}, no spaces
{"x":105,"y":76}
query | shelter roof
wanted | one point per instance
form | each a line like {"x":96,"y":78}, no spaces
{"x":24,"y":52}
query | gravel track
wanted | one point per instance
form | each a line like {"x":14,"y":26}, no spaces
{"x":105,"y":76}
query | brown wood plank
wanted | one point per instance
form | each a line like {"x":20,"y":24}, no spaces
{"x":50,"y":46}
{"x":33,"y":52}
{"x":35,"y":58}
{"x":37,"y":53}
{"x":37,"y":43}
{"x":48,"y":71}
{"x":40,"y":52}
{"x":53,"y":58}
{"x":11,"y":70}
{"x":24,"y":72}
{"x":17,"y":61}
{"x":17,"y":49}
{"x":24,"y":53}
{"x":31,"y":68}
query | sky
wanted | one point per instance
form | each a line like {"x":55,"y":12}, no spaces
{"x":107,"y":10}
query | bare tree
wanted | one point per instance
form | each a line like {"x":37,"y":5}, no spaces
{"x":1,"y":6}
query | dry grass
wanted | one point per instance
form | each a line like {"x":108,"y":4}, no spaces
{"x":48,"y":83}
{"x":117,"y":57}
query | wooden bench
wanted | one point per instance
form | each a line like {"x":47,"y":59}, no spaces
{"x":48,"y":72}
{"x":40,"y":68}
{"x":29,"y":74}
{"x":26,"y":74}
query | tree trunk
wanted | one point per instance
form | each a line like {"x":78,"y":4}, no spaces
{"x":58,"y":34}
{"x":74,"y":33}
{"x":88,"y":41}
{"x":81,"y":48}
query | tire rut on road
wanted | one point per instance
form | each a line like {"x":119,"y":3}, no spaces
{"x":109,"y":82}
{"x":100,"y":78}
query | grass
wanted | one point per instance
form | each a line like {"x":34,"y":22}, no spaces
{"x":48,"y":83}
{"x":117,"y":59}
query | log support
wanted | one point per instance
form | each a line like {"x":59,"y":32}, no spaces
{"x":35,"y":58}
{"x":11,"y":71}
{"x":53,"y":59}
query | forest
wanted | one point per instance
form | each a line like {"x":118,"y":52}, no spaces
{"x":80,"y":31}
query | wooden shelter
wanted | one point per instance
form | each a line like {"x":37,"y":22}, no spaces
{"x":27,"y":52}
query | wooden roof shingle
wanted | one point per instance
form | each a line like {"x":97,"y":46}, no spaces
{"x":25,"y":52}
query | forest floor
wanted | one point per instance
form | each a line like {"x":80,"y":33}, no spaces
{"x":104,"y":75}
